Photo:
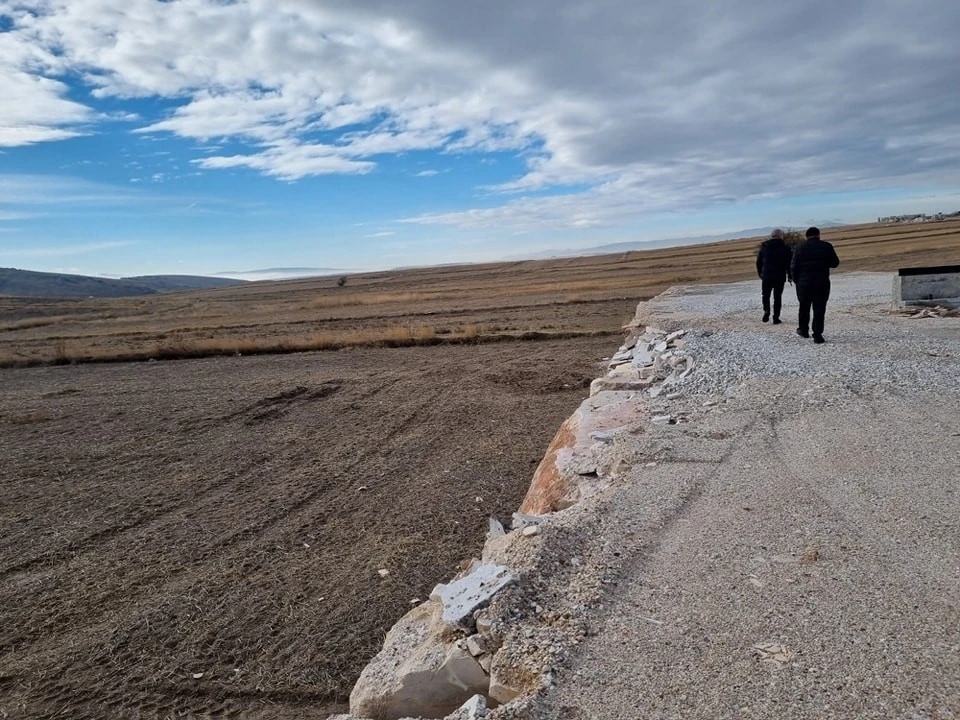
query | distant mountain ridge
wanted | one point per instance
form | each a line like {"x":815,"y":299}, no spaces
{"x":633,"y":245}
{"x":29,"y":283}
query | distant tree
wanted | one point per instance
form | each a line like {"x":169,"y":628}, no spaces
{"x":342,"y":281}
{"x":792,"y":238}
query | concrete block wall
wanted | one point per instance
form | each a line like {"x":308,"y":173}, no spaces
{"x":928,"y":286}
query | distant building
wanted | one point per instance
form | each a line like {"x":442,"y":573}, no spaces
{"x":917,"y":218}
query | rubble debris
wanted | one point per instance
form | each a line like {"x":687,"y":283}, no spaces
{"x":915,"y":312}
{"x":462,"y":597}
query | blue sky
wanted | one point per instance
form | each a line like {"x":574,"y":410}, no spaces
{"x":198,"y":136}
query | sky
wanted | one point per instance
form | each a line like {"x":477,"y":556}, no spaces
{"x":216,"y":136}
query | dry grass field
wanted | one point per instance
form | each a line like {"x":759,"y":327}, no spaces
{"x":567,"y":297}
{"x":202,"y":537}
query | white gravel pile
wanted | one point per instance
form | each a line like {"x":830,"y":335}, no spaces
{"x":731,"y":345}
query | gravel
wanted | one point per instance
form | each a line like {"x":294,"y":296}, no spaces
{"x":868,"y":347}
{"x":789,"y":552}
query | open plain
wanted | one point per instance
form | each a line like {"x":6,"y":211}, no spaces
{"x":204,"y":537}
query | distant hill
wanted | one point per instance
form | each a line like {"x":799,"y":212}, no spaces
{"x":27,"y":283}
{"x":177,"y":283}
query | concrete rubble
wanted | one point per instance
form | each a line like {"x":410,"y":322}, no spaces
{"x":461,"y":598}
{"x":490,"y":642}
{"x":461,"y":650}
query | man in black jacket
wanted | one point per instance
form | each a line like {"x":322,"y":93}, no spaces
{"x":810,"y":268}
{"x":773,"y":267}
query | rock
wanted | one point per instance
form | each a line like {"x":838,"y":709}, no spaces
{"x":660,"y":347}
{"x":485,"y":662}
{"x":496,"y":529}
{"x":551,"y":488}
{"x":623,"y":378}
{"x":601,"y":436}
{"x":481,"y":644}
{"x":642,"y":357}
{"x":530,"y":530}
{"x":662,"y":419}
{"x":569,"y":468}
{"x":462,"y":597}
{"x":484,"y":624}
{"x":520,"y":520}
{"x":675,"y":336}
{"x":383,"y":572}
{"x":473,"y":709}
{"x":417,"y":673}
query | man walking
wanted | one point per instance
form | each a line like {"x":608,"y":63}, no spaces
{"x":773,"y":267}
{"x":810,"y":268}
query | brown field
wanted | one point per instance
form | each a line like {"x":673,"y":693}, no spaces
{"x":568,"y":297}
{"x":202,"y":537}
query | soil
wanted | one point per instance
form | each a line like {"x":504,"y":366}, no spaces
{"x":203,"y":537}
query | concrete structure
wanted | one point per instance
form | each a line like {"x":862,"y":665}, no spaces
{"x":928,"y":286}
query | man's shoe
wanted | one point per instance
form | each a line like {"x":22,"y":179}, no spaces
{"x":818,"y":339}
{"x":803,"y":333}
{"x":777,"y":321}
{"x":766,"y":317}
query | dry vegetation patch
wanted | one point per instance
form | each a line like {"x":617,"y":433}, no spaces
{"x":565,"y":297}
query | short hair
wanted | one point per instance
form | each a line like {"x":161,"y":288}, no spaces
{"x":778,"y":233}
{"x":812,"y":232}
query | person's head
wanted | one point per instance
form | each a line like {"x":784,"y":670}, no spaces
{"x":813,"y":232}
{"x":777,"y":234}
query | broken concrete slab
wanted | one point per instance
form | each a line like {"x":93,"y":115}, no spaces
{"x":462,"y":597}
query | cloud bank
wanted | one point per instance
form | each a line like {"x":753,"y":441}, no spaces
{"x":616,"y":107}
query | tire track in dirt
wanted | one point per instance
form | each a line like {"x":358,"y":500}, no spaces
{"x":249,"y":533}
{"x":272,"y":571}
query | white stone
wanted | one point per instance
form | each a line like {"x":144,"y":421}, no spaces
{"x":642,"y":357}
{"x":520,"y":520}
{"x":480,"y":644}
{"x":474,"y":709}
{"x":461,"y":597}
{"x":675,"y":335}
{"x":601,"y":436}
{"x":417,"y":674}
{"x":383,"y":572}
{"x":661,"y":419}
{"x":531,"y":530}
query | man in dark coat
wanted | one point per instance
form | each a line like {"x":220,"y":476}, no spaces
{"x":773,"y":267}
{"x":812,"y":262}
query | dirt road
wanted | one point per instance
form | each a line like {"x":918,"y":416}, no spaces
{"x":204,"y":537}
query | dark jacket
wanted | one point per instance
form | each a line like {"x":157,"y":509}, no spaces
{"x":773,"y":260}
{"x":812,"y":261}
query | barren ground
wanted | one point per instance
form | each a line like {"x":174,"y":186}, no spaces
{"x":190,"y":538}
{"x":167,"y":519}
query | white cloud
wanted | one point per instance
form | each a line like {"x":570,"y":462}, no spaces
{"x":632,"y":107}
{"x":427,"y":173}
{"x":62,"y":251}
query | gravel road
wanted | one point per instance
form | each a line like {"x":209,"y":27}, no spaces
{"x":793,"y":552}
